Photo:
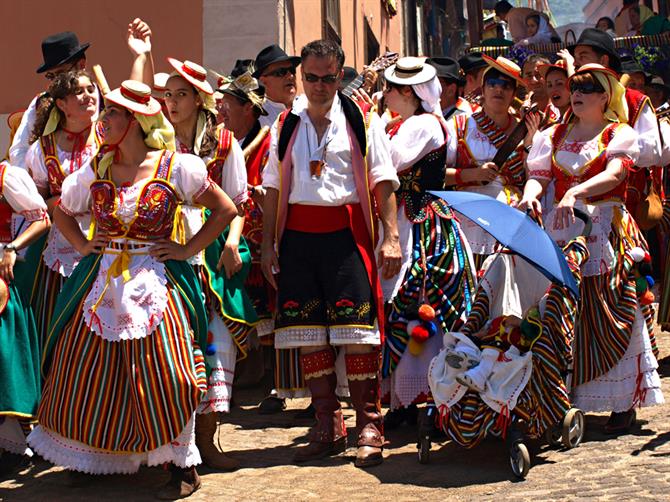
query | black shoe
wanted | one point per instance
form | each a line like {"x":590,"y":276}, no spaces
{"x":620,"y":423}
{"x":271,"y":405}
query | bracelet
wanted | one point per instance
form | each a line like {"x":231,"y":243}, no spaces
{"x":527,"y":148}
{"x":9,"y":247}
{"x":459,"y":179}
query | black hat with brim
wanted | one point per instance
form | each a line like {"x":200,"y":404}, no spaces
{"x":471,"y":62}
{"x":447,"y":68}
{"x":270,"y":55}
{"x":61,"y":48}
{"x":601,"y":41}
{"x":241,"y":67}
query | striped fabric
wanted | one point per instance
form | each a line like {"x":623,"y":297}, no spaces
{"x":449,"y":284}
{"x":288,"y":371}
{"x":46,"y":287}
{"x":126,"y":396}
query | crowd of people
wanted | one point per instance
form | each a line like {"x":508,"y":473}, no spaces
{"x":158,"y":233}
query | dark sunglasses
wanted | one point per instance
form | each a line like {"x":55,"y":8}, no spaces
{"x":504,"y":83}
{"x":326,"y":79}
{"x":585,"y":88}
{"x":281,"y":72}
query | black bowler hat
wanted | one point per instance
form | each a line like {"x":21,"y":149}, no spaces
{"x":447,"y":68}
{"x":272,"y":54}
{"x":241,"y":67}
{"x":601,"y":41}
{"x":61,"y":48}
{"x":471,"y":62}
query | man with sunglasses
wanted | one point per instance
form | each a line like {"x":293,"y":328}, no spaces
{"x":276,"y":71}
{"x":326,"y":172}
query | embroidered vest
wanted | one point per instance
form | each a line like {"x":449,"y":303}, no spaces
{"x":215,"y":166}
{"x":636,"y":101}
{"x":156,"y":205}
{"x":253,"y":222}
{"x":426,"y":174}
{"x":5,"y":210}
{"x":564,"y":179}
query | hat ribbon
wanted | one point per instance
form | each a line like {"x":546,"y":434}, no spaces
{"x":133,"y":96}
{"x":195,"y":74}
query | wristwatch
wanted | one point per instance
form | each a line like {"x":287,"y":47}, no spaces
{"x":9,"y":247}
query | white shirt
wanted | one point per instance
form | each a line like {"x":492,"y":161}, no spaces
{"x":20,"y":143}
{"x":336,"y":185}
{"x":417,"y":137}
{"x":665,"y":133}
{"x":274,"y":109}
{"x":648,"y":138}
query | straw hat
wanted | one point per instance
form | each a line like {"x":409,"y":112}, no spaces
{"x":134,"y":96}
{"x":544,"y":68}
{"x":504,"y":66}
{"x":410,"y":71}
{"x":195,"y":74}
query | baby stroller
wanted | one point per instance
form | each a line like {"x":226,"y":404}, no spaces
{"x":524,"y":391}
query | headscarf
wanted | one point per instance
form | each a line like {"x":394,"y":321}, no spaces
{"x":617,"y":107}
{"x":429,"y":94}
{"x":158,"y":134}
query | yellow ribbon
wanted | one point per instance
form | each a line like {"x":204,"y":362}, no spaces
{"x":53,"y":121}
{"x":119,"y":268}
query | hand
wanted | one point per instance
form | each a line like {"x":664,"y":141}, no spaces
{"x":370,"y":79}
{"x":259,"y":194}
{"x":390,"y":257}
{"x":564,"y":211}
{"x":139,"y":37}
{"x":569,"y":59}
{"x":533,"y":120}
{"x":7,"y":265}
{"x":230,"y":260}
{"x":532,"y":204}
{"x":361,"y":97}
{"x":95,"y":245}
{"x":485,"y":173}
{"x":169,"y":250}
{"x":269,"y":264}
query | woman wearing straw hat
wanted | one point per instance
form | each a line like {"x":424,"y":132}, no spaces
{"x":473,"y":142}
{"x":123,"y":362}
{"x":64,"y":140}
{"x":19,"y":352}
{"x":437,"y":276}
{"x":223,"y":267}
{"x":588,"y":159}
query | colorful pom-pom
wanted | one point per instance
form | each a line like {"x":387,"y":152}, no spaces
{"x":210,"y":350}
{"x":650,"y":280}
{"x":411,"y":325}
{"x":414,"y":347}
{"x":647,"y":258}
{"x":210,"y":337}
{"x":420,"y":334}
{"x":432,"y":328}
{"x":647,"y":298}
{"x":637,"y":254}
{"x":426,"y":312}
{"x":640,"y":285}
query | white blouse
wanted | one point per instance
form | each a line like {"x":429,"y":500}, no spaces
{"x":649,"y":141}
{"x":59,"y":255}
{"x":336,"y":185}
{"x":21,"y":194}
{"x":116,"y":308}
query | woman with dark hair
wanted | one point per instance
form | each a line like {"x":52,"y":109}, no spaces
{"x":606,"y":24}
{"x":223,"y":267}
{"x":64,"y":140}
{"x":436,"y":281}
{"x":588,"y":159}
{"x":473,"y":142}
{"x":123,"y":362}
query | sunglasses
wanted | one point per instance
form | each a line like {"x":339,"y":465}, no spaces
{"x":281,"y":72}
{"x":586,"y":88}
{"x":495,"y":82}
{"x":326,"y":79}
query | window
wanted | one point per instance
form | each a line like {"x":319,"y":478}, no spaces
{"x":331,"y":20}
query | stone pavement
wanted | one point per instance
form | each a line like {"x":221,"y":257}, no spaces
{"x":634,"y":466}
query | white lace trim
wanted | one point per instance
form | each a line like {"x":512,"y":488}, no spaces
{"x":77,"y":456}
{"x":127,"y":310}
{"x":615,"y":390}
{"x":294,"y":337}
{"x":12,"y":438}
{"x":220,"y":382}
{"x":265,"y":327}
{"x":59,"y":255}
{"x":354,"y":335}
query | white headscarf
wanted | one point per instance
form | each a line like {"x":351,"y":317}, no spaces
{"x":429,"y":94}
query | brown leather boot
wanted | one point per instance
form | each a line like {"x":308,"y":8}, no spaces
{"x":182,"y":484}
{"x":329,"y":436}
{"x":205,"y":428}
{"x":362,"y":372}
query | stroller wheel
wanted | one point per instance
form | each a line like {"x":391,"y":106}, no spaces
{"x":519,"y":459}
{"x":424,"y":450}
{"x":573,"y":428}
{"x":554,"y":435}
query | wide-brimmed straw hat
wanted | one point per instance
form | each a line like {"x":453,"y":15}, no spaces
{"x":160,"y":83}
{"x":59,"y":49}
{"x":410,"y":71}
{"x":504,"y":66}
{"x":545,"y":68}
{"x":134,"y":96}
{"x":194,"y":74}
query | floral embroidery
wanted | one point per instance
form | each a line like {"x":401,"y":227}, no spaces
{"x":290,"y":308}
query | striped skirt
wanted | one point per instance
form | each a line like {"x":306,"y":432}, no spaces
{"x":46,"y":288}
{"x":132,"y":396}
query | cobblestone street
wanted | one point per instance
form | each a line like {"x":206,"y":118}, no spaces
{"x":634,"y":466}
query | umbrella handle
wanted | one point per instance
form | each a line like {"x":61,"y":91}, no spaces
{"x":586,"y":219}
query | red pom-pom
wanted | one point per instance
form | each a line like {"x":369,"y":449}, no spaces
{"x":647,"y":298}
{"x":420,"y":334}
{"x":210,"y":337}
{"x":426,"y":312}
{"x":647,"y":258}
